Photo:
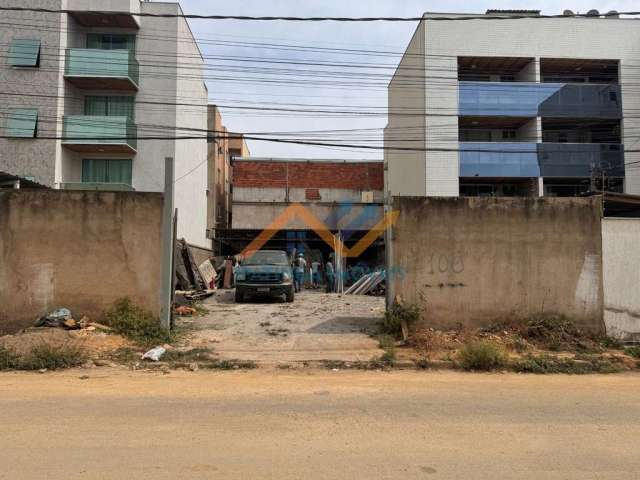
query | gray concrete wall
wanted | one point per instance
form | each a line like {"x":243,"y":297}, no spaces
{"x":621,"y":277}
{"x":479,"y":261}
{"x":80,"y":250}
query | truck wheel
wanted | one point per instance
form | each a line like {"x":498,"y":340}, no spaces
{"x":290,"y":295}
{"x":239,"y":296}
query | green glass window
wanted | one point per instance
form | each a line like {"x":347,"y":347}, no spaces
{"x":109,"y":41}
{"x":112,"y":106}
{"x":22,"y":123}
{"x":102,"y":170}
{"x":24,"y":53}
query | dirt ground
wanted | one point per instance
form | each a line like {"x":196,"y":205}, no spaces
{"x":316,"y":326}
{"x":274,"y":424}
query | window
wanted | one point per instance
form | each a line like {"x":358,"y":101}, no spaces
{"x":22,"y":123}
{"x":508,"y":134}
{"x":108,"y":41}
{"x":24,"y":53}
{"x":110,"y":106}
{"x":100,"y":170}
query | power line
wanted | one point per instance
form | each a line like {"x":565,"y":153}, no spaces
{"x":321,"y":19}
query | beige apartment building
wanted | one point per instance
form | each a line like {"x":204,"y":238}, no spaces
{"x":96,"y":100}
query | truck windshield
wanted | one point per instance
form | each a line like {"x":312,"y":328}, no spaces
{"x":267,"y":258}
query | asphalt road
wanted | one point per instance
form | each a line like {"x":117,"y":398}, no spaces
{"x":318,"y":425}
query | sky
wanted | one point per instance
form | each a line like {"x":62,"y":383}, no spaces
{"x":254,"y":76}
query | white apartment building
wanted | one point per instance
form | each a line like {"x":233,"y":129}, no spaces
{"x":526,"y":106}
{"x":94,"y":100}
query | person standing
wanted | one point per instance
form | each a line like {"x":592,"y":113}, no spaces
{"x":331,"y":276}
{"x":315,"y":274}
{"x":298,"y":272}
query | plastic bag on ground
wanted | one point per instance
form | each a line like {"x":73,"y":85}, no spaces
{"x":154,"y":354}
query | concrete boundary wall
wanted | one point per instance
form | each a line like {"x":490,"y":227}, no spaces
{"x":80,"y":250}
{"x":479,"y":261}
{"x":621,"y":277}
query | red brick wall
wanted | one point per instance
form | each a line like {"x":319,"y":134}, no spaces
{"x":353,"y":176}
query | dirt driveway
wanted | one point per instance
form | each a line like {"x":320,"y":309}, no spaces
{"x":317,"y":326}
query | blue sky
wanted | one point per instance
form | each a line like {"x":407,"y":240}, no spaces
{"x":220,"y":38}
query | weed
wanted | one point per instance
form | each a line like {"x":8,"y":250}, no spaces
{"x":136,"y":324}
{"x":610,"y":342}
{"x":52,"y":357}
{"x":542,"y":364}
{"x":9,"y":360}
{"x":191,"y":355}
{"x":230,"y":365}
{"x":388,"y":357}
{"x":520,"y":345}
{"x":201,"y":310}
{"x":633,"y":351}
{"x":482,"y":355}
{"x":553,"y":331}
{"x":386,"y":341}
{"x":125,"y":355}
{"x":398,"y":314}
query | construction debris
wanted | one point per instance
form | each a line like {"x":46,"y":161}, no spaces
{"x":184,"y":311}
{"x":370,"y":284}
{"x":188,"y":275}
{"x":55,"y":318}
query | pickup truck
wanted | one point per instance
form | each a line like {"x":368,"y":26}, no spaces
{"x":265,"y":273}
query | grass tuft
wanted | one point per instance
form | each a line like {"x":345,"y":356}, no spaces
{"x":482,"y":355}
{"x":43,"y":356}
{"x":136,"y":324}
{"x":397,"y":314}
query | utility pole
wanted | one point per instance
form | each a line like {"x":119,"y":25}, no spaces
{"x":166,"y":287}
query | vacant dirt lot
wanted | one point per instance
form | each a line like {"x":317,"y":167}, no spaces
{"x":317,"y":326}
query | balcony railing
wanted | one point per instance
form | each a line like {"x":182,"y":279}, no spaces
{"x":497,"y":159}
{"x":107,"y":187}
{"x":102,"y":69}
{"x":84,"y":133}
{"x":520,"y":99}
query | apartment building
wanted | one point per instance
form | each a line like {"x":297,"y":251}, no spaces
{"x":95,"y":100}
{"x":506,"y":106}
{"x":221,"y":149}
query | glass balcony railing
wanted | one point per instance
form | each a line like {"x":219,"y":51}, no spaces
{"x":519,"y":99}
{"x":496,"y":159}
{"x":580,"y":159}
{"x":105,"y":187}
{"x":102,"y":69}
{"x":86,"y":133}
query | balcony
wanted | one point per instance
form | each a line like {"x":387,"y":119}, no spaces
{"x":523,"y":99}
{"x":103,"y":187}
{"x":561,"y":160}
{"x":580,"y":159}
{"x":102,"y":69}
{"x":114,"y":13}
{"x":499,"y":159}
{"x":98,"y":134}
